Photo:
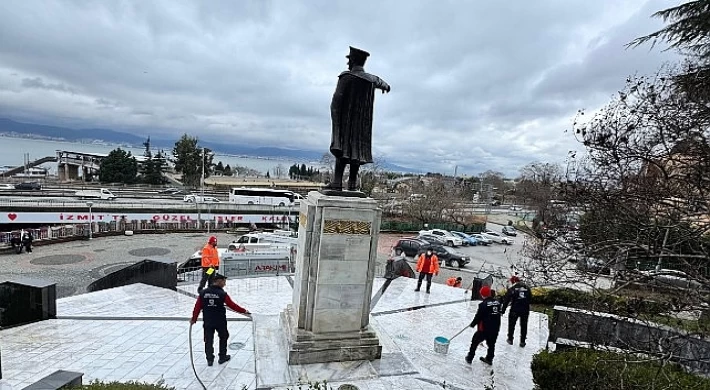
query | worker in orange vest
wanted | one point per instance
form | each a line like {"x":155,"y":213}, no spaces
{"x":427,"y":266}
{"x":210,"y":262}
{"x":454,"y":282}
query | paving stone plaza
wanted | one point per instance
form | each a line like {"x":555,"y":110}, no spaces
{"x":140,"y":332}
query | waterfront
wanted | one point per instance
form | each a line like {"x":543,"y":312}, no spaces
{"x":13,"y":150}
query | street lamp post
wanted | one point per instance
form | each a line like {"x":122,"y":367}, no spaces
{"x":91,"y":220}
{"x":209,"y":215}
{"x":202,"y":182}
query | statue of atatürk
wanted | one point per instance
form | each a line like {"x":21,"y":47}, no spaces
{"x":351,"y":114}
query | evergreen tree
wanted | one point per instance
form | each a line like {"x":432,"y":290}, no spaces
{"x":227,"y":171}
{"x":189,"y":160}
{"x":119,"y":167}
{"x":293,"y":171}
{"x":303,"y":172}
{"x":219,"y":168}
{"x":688,"y":29}
{"x":267,"y":175}
{"x":155,"y":169}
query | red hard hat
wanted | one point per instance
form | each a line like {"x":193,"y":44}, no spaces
{"x":212,"y":240}
{"x":485,"y":291}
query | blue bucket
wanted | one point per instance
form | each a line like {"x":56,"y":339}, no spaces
{"x":441,"y":345}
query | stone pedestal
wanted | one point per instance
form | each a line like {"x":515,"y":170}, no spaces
{"x":335,"y":267}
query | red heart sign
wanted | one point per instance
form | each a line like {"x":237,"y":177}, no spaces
{"x":12,"y":216}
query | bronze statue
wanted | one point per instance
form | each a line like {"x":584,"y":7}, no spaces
{"x":351,"y":113}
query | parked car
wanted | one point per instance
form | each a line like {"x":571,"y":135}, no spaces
{"x":495,"y":237}
{"x":449,"y":238}
{"x":28,"y":186}
{"x":411,"y":245}
{"x":592,"y":264}
{"x":467,"y":240}
{"x":509,"y":231}
{"x":191,"y":198}
{"x":7,"y":187}
{"x":670,"y":278}
{"x":449,"y":256}
{"x":432,"y":239}
{"x":482,"y":240}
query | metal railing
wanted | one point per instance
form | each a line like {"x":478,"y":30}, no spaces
{"x":254,"y":267}
{"x":63,"y":232}
{"x":81,"y":204}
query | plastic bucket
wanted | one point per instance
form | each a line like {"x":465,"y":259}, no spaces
{"x":441,"y":345}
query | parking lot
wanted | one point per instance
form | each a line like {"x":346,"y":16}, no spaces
{"x":494,"y":258}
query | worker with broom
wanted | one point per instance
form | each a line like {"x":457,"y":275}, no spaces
{"x":487,"y":324}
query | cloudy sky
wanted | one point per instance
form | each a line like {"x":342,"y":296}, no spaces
{"x":476,"y":85}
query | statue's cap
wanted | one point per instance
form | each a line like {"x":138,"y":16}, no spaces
{"x":356,"y":53}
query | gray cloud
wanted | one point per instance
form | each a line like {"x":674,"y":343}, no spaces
{"x":481,"y":86}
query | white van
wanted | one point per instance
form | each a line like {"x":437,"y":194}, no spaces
{"x":103,"y":194}
{"x":270,"y":238}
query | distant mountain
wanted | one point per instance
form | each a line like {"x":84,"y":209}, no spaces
{"x":8,"y":126}
{"x":30,"y":130}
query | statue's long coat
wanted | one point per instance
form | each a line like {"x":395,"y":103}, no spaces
{"x":351,"y":113}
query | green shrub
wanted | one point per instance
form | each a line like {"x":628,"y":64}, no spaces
{"x":98,"y":385}
{"x":594,"y":370}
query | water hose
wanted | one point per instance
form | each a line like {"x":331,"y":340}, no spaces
{"x":192,"y":360}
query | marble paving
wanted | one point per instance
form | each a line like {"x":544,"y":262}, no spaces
{"x":133,"y":301}
{"x":262,"y":295}
{"x":140,"y":332}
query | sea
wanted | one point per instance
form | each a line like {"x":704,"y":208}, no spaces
{"x":14,"y":151}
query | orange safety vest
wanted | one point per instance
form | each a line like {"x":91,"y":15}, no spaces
{"x":433,"y":265}
{"x":210,"y":256}
{"x":452,"y":282}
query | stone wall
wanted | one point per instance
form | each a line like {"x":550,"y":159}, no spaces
{"x":155,"y":272}
{"x":608,"y":330}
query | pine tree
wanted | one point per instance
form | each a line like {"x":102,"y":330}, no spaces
{"x":119,"y":167}
{"x":689,"y":29}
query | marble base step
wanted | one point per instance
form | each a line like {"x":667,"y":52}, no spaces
{"x":308,"y":347}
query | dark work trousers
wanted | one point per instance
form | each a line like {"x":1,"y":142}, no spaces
{"x":209,"y":340}
{"x":477,"y":339}
{"x":428,"y":280}
{"x":206,"y":278}
{"x":512,"y":319}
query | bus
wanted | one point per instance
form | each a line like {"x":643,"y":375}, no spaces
{"x":264,"y":196}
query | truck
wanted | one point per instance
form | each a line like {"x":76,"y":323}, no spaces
{"x":103,"y":194}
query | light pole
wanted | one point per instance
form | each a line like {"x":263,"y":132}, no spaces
{"x":202,"y":182}
{"x":91,"y":220}
{"x":288,"y":219}
{"x":209,"y":215}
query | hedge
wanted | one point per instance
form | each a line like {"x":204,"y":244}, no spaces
{"x":97,"y":385}
{"x":404,"y":226}
{"x":607,"y":303}
{"x":594,"y":370}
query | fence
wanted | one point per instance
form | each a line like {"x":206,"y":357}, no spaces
{"x":395,"y":226}
{"x":191,"y":272}
{"x":68,"y":232}
{"x":167,"y":204}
